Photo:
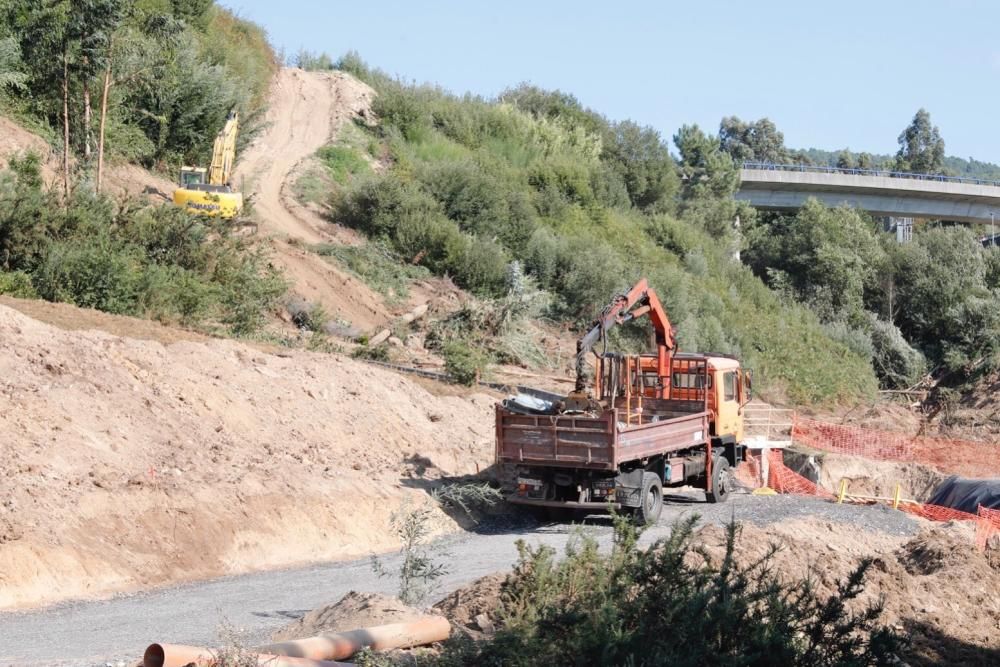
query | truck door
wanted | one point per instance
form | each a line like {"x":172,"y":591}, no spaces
{"x":728,"y":416}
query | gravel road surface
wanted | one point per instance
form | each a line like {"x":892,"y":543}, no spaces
{"x":116,"y":631}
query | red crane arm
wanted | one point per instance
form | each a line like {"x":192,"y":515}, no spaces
{"x":638,"y":301}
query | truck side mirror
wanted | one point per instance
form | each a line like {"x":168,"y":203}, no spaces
{"x":748,"y":383}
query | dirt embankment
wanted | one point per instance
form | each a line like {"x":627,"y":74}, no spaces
{"x":130,"y":463}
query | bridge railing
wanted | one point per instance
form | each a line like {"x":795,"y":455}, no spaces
{"x":768,"y":166}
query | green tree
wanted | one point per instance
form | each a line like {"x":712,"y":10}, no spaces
{"x":759,"y":141}
{"x":827,"y":257}
{"x":921,"y":148}
{"x":866,"y":161}
{"x":845,"y":159}
{"x":935,"y":289}
{"x":642,"y":159}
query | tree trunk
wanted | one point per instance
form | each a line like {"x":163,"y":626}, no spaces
{"x":88,"y":135}
{"x":104,"y":120}
{"x":66,"y":121}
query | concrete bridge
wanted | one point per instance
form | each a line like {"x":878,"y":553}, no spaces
{"x":881,"y":193}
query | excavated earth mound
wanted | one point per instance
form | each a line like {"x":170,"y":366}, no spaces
{"x":130,"y":463}
{"x":940,"y":593}
{"x":354,"y":610}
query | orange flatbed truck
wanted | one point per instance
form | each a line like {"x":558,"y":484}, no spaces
{"x":646,"y":422}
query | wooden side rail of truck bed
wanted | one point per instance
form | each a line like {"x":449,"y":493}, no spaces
{"x":599,"y":442}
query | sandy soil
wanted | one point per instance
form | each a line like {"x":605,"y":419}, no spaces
{"x":130,"y":463}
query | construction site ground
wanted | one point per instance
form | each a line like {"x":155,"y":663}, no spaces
{"x":155,"y":481}
{"x":826,"y":535}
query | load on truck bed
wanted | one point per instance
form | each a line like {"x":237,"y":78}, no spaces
{"x":648,"y":421}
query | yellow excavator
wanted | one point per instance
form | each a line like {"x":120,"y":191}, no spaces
{"x":210,"y":191}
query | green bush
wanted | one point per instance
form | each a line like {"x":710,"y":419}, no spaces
{"x":463,"y":364}
{"x":343,"y":162}
{"x":95,"y":272}
{"x":17,"y":284}
{"x":673,"y":604}
{"x":897,"y":364}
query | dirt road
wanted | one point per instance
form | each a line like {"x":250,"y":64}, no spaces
{"x":306,"y":110}
{"x":98,"y":633}
{"x":305,"y":113}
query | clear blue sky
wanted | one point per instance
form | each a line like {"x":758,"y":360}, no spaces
{"x":829,"y":74}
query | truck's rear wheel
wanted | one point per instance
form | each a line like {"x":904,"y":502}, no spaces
{"x":648,"y":512}
{"x":721,"y":481}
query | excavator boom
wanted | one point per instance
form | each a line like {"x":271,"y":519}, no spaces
{"x":224,"y":151}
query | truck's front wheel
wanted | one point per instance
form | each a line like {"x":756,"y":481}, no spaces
{"x":720,"y":481}
{"x":648,"y":512}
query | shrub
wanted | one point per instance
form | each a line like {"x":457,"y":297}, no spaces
{"x":672,"y":604}
{"x":897,"y":364}
{"x":343,"y":162}
{"x":463,"y":364}
{"x":249,"y":289}
{"x":92,"y":273}
{"x":418,"y":568}
{"x":17,"y":284}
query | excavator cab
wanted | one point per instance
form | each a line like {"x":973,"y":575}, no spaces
{"x":192,"y":177}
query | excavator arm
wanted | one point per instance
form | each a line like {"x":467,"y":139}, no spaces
{"x":638,"y":301}
{"x":224,"y":151}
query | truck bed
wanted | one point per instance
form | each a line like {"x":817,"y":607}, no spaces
{"x":603,"y":441}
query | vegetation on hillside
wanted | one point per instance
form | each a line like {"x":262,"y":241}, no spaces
{"x":156,"y":262}
{"x":586,"y":206}
{"x":150,"y":81}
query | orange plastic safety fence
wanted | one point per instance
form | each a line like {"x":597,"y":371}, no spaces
{"x":987,"y":527}
{"x":783,"y":479}
{"x":936,"y":512}
{"x":961,"y":457}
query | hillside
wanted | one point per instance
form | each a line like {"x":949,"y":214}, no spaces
{"x":585,"y":206}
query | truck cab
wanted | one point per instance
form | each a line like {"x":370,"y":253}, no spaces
{"x":726,"y":386}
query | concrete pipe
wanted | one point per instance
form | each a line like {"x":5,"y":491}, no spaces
{"x":426,"y":630}
{"x":175,"y":655}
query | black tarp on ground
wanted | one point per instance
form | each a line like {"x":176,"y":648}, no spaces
{"x":967,"y":495}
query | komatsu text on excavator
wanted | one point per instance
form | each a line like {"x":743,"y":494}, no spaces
{"x":642,"y":422}
{"x":210,"y":191}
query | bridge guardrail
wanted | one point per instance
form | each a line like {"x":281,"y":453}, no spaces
{"x":768,"y":166}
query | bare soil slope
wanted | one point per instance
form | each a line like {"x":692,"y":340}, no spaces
{"x":306,"y":111}
{"x":130,"y":463}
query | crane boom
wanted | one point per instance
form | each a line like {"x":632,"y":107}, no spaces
{"x":224,"y":151}
{"x":638,"y":301}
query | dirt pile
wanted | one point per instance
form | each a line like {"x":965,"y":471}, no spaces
{"x":131,"y":463}
{"x":354,"y":610}
{"x":939,"y":591}
{"x":474,"y":609}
